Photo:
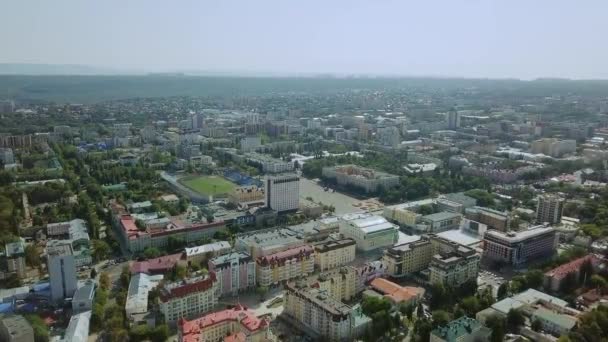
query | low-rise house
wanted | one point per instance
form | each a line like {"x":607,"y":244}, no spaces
{"x":461,"y":329}
{"x":83,"y":297}
{"x":15,"y":328}
{"x":407,"y":295}
{"x":136,"y":305}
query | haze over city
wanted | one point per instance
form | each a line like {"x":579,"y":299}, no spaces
{"x":481,"y":39}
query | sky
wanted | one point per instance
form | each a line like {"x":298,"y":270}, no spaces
{"x":453,"y":38}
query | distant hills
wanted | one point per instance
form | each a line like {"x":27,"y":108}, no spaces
{"x":57,"y":69}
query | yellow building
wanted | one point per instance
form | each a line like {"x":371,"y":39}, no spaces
{"x":275,"y":268}
{"x":246,"y":195}
{"x":408,"y":258}
{"x":339,"y":284}
{"x":332,"y":254}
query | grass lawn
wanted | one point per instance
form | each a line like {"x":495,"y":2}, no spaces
{"x":208,"y":185}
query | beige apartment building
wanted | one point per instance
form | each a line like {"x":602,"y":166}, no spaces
{"x":408,"y":258}
{"x":188,"y":298}
{"x":332,"y":254}
{"x":274,"y":268}
{"x":339,"y":284}
{"x":455,"y":268}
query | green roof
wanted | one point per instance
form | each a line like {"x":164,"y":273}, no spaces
{"x":564,"y":321}
{"x":459,"y":328}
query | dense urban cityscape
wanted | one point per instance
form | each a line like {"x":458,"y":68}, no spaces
{"x":379,"y":210}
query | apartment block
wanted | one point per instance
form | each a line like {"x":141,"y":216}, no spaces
{"x":369,"y":231}
{"x":267,"y":241}
{"x":368,"y":180}
{"x":553,"y":147}
{"x":439,"y":222}
{"x":316,"y":310}
{"x":247,"y":195}
{"x":274,"y":268}
{"x":405,"y":259}
{"x":519,"y":248}
{"x":455,"y":268}
{"x":340,"y":284}
{"x":494,"y":219}
{"x":334,"y":253}
{"x":236,"y":324}
{"x":188,"y":298}
{"x":549,"y":209}
{"x":15,"y":258}
{"x":235,"y":272}
{"x":62,"y":271}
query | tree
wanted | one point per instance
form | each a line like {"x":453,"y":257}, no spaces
{"x":261,"y":291}
{"x":420,"y":311}
{"x":151,"y":252}
{"x":497,"y":324}
{"x":536,"y":325}
{"x":470,"y":305}
{"x":101,"y":250}
{"x":599,"y":283}
{"x":422,"y":330}
{"x":32,"y":257}
{"x":440,"y":318}
{"x":41,"y":332}
{"x":104,"y":281}
{"x":93,"y":273}
{"x":160,"y":333}
{"x":515,"y":319}
{"x":503,"y":290}
{"x":585,"y":272}
{"x":125,"y":277}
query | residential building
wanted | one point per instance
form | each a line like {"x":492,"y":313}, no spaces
{"x":136,"y":305}
{"x":15,"y":258}
{"x":235,"y":324}
{"x":368,"y":180}
{"x":62,"y":271}
{"x":235,"y":272}
{"x":549,"y":209}
{"x":188,"y":298}
{"x":200,"y":254}
{"x":139,"y":207}
{"x":388,"y":136}
{"x":455,"y":268}
{"x":519,"y":248}
{"x":250,"y":144}
{"x":78,"y":328}
{"x":267,"y":241}
{"x":274,"y":268}
{"x":553,"y":147}
{"x":397,"y":294}
{"x":247,"y":195}
{"x":310,"y":208}
{"x":420,"y":169}
{"x":554,"y":322}
{"x":316,"y":310}
{"x":408,"y":258}
{"x":463,"y":329}
{"x":15,"y":328}
{"x":340,"y":284}
{"x":83,"y":297}
{"x":138,"y":240}
{"x":334,"y":253}
{"x":452,"y":120}
{"x":369,"y":231}
{"x":553,"y":278}
{"x":439,"y":222}
{"x":494,"y":219}
{"x":74,"y":233}
{"x":160,"y":265}
{"x":6,"y":156}
{"x":282,"y":192}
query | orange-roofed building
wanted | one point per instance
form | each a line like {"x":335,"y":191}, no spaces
{"x":238,"y":324}
{"x":396,"y":293}
{"x":554,"y":277}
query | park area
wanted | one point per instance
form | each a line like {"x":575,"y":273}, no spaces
{"x":208,"y":185}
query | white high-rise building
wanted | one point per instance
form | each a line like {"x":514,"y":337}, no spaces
{"x":549,"y":209}
{"x":62,"y":271}
{"x":282,"y":192}
{"x":452,"y":118}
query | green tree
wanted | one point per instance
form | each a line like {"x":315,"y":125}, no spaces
{"x":599,"y":282}
{"x":101,"y":250}
{"x":497,"y":324}
{"x":32,"y":257}
{"x":515,"y":319}
{"x":536,"y":325}
{"x":503,"y":290}
{"x":261,"y":291}
{"x":151,"y":252}
{"x":440,"y":318}
{"x":41,"y":332}
{"x":160,"y":333}
{"x":104,"y":280}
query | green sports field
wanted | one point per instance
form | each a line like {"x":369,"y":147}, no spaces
{"x":208,"y":185}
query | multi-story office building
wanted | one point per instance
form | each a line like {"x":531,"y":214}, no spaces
{"x":282,"y":192}
{"x":235,"y":272}
{"x":249,"y":144}
{"x":62,"y":271}
{"x":519,"y":248}
{"x":369,"y":231}
{"x":15,"y":258}
{"x":494,"y":219}
{"x":334,"y":253}
{"x":235,"y":324}
{"x":289,"y":264}
{"x":318,"y":311}
{"x":15,"y":328}
{"x":549,"y":209}
{"x":455,"y":268}
{"x":76,"y":234}
{"x":405,"y":259}
{"x":200,"y":254}
{"x":138,"y":240}
{"x":188,"y":298}
{"x":368,"y":180}
{"x":340,"y":284}
{"x":439,"y":222}
{"x":267,"y":241}
{"x":388,"y":136}
{"x":553,"y":147}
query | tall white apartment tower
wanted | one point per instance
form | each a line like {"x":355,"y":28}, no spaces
{"x":62,"y":271}
{"x":452,"y":118}
{"x":282,"y":192}
{"x":549,"y":209}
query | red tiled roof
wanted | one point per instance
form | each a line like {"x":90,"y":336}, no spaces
{"x":130,"y":228}
{"x":155,"y":266}
{"x":280,"y":257}
{"x":191,"y":330}
{"x":573,"y":266}
{"x":395,"y":292}
{"x":188,"y":288}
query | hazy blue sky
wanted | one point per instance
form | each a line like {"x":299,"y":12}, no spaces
{"x":474,"y":38}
